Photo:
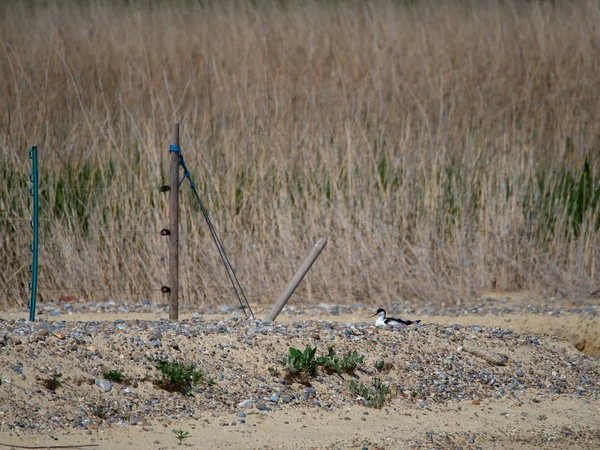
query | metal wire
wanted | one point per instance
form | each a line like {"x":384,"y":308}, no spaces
{"x":106,"y":188}
{"x":222,"y":253}
{"x":106,"y":289}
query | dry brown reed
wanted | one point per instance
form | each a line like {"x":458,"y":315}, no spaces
{"x":444,"y":148}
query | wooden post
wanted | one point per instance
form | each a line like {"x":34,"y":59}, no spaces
{"x":174,"y":229}
{"x":299,"y":275}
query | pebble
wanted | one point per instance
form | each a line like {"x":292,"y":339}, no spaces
{"x":104,"y":384}
{"x":309,"y":392}
{"x":241,"y":414}
{"x":246,"y":404}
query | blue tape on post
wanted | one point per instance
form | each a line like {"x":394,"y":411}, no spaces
{"x":174,"y":148}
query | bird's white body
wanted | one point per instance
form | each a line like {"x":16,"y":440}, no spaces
{"x":380,"y":321}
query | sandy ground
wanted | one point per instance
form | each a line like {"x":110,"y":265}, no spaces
{"x":536,"y":420}
{"x":493,"y":424}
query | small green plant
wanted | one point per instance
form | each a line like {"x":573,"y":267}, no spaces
{"x":359,"y":389}
{"x":179,"y":377}
{"x":181,"y":435}
{"x":274,"y":372}
{"x":114,"y":376}
{"x":542,"y":417}
{"x":375,"y":395}
{"x":304,"y":365}
{"x":348,"y":363}
{"x":379,"y":365}
{"x":351,"y":361}
{"x":54,"y":382}
{"x":330,"y":363}
{"x":301,"y":364}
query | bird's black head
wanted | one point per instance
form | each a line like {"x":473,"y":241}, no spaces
{"x":379,"y":311}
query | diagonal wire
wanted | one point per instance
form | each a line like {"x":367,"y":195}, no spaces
{"x":228,"y":267}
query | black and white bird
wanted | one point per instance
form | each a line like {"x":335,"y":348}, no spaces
{"x":384,"y":321}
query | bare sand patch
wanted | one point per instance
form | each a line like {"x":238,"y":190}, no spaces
{"x":489,"y":424}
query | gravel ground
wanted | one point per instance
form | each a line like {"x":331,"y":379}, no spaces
{"x":429,"y":367}
{"x":498,"y":305}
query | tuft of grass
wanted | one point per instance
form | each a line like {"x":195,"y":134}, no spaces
{"x":181,"y":435}
{"x":374,"y":395}
{"x":177,"y":376}
{"x":113,"y":375}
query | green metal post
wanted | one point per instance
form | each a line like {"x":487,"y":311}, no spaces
{"x":33,"y":267}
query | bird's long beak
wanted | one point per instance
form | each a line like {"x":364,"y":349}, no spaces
{"x":372,"y":316}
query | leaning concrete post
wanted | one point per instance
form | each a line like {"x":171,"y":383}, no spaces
{"x":289,"y":290}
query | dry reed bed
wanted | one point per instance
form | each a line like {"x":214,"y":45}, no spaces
{"x":444,"y":148}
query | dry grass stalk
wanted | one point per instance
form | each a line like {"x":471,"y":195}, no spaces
{"x":441,"y":146}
